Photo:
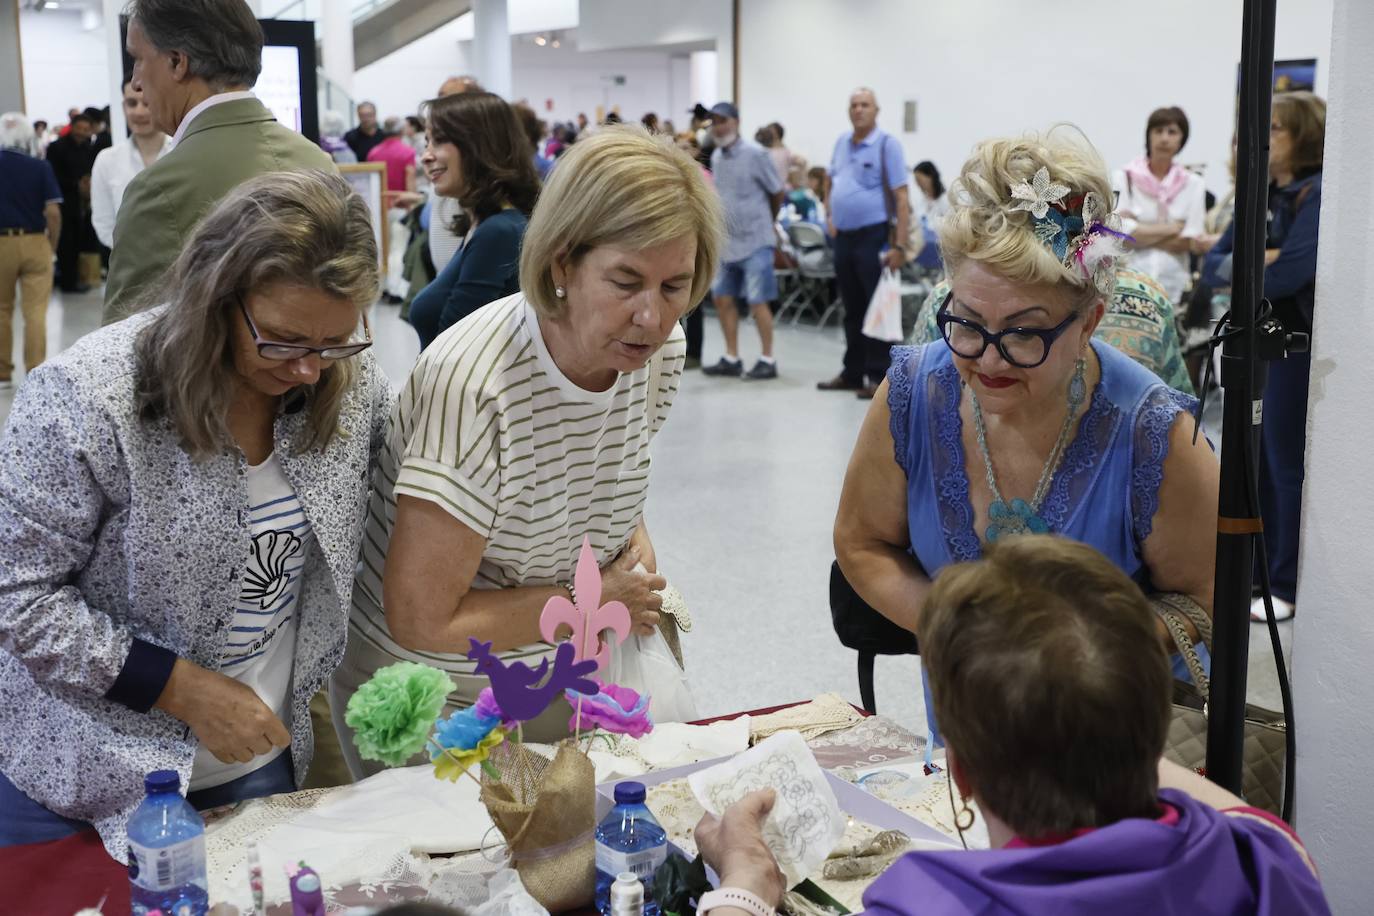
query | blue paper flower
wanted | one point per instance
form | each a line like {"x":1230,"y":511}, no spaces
{"x":464,"y":730}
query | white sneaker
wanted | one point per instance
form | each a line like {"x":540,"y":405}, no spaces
{"x":1283,"y":610}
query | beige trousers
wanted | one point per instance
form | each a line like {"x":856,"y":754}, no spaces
{"x":26,"y":262}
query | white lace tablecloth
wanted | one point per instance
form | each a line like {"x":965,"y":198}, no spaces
{"x":404,"y":835}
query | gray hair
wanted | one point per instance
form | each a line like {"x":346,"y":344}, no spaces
{"x":304,"y":229}
{"x":221,"y":38}
{"x":16,"y":132}
{"x":332,"y":124}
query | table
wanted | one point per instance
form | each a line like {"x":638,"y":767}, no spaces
{"x":59,"y":877}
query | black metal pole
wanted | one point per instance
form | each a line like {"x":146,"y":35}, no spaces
{"x":1242,"y":378}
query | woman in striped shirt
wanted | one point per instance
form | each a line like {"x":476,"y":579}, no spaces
{"x":527,"y":425}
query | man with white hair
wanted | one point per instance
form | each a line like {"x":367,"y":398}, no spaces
{"x":868,"y":211}
{"x":30,"y":222}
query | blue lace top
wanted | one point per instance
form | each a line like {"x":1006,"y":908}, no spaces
{"x":1104,"y":493}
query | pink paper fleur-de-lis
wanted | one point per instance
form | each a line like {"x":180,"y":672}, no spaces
{"x":589,"y":618}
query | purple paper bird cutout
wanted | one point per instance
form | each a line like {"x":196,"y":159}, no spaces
{"x":523,"y":692}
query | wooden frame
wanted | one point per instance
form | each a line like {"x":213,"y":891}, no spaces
{"x":369,"y":180}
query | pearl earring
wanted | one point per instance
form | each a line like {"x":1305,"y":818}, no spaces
{"x":560,"y":292}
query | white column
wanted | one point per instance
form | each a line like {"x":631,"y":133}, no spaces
{"x":1333,"y":637}
{"x":114,"y":62}
{"x":491,"y":46}
{"x":336,"y":38}
{"x":705,"y":78}
{"x":12,"y":91}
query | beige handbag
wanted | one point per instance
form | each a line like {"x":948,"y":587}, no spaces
{"x":1265,"y":730}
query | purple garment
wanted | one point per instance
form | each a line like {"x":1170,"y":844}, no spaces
{"x":1208,"y":864}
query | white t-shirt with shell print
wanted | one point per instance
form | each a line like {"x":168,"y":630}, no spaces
{"x":261,"y":646}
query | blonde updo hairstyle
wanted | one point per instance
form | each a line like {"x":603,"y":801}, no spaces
{"x":981,"y":225}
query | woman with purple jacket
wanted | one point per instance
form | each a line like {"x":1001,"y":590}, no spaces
{"x":1055,"y":702}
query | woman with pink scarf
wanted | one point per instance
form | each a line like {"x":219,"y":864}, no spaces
{"x":1161,"y":204}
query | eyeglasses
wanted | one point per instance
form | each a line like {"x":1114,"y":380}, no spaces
{"x":1024,"y":348}
{"x":284,"y":352}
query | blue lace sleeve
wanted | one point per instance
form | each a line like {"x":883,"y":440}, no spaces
{"x":1153,"y":422}
{"x":900,"y":377}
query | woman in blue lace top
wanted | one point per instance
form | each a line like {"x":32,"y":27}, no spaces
{"x":1017,"y":420}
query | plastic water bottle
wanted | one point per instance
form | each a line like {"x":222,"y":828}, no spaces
{"x":628,"y":840}
{"x":167,"y":851}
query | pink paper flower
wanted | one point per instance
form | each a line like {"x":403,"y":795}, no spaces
{"x":615,"y":709}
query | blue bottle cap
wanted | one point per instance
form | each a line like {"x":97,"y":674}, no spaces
{"x":629,"y":793}
{"x":162,"y":781}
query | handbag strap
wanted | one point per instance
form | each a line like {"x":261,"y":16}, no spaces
{"x":1190,"y":609}
{"x":1174,"y":620}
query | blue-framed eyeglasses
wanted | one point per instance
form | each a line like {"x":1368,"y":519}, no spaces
{"x":1024,"y":348}
{"x":284,"y":352}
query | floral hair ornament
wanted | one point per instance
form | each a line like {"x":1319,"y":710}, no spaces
{"x":1082,"y":231}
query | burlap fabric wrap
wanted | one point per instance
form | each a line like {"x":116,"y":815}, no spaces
{"x":546,"y":810}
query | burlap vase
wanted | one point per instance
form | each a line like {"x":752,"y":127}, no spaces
{"x":546,"y":810}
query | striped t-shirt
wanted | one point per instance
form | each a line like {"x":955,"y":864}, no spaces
{"x":491,"y":430}
{"x":260,"y":649}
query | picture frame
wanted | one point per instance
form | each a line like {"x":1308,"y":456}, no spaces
{"x":369,"y":180}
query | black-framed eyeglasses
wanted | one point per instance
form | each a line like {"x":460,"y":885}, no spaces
{"x":1024,"y":348}
{"x":284,"y":352}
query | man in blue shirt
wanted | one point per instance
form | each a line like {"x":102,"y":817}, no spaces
{"x":867,"y":208}
{"x":751,"y":191}
{"x":30,"y":223}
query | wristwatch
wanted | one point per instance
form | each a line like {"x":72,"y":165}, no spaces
{"x":734,"y":897}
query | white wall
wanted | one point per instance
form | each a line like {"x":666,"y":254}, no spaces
{"x":981,"y":68}
{"x":572,"y":81}
{"x":1333,"y":639}
{"x":65,"y":64}
{"x":617,"y":24}
{"x":400,"y":81}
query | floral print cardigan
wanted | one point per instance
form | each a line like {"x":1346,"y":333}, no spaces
{"x":118,"y":554}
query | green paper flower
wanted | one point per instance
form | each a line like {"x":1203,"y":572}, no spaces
{"x":392,"y":713}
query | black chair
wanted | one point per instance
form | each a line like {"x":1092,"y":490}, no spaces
{"x":863,"y":629}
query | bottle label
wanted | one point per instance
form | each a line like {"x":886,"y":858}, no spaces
{"x":161,"y":868}
{"x":641,"y":864}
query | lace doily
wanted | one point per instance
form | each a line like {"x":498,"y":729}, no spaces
{"x":826,"y":713}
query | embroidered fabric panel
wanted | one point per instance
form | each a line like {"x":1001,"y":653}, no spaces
{"x":1082,"y":462}
{"x":1150,"y":447}
{"x":943,"y":388}
{"x":900,"y":376}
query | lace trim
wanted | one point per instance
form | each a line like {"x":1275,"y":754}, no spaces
{"x":1156,"y":417}
{"x":1082,"y":460}
{"x":951,"y":482}
{"x":900,"y":376}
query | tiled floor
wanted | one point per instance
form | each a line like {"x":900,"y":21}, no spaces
{"x":746,"y":479}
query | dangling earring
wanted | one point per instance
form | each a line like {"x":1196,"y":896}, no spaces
{"x":959,"y":820}
{"x":560,"y":292}
{"x":958,"y":815}
{"x":1078,"y":386}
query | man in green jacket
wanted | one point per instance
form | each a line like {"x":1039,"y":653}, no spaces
{"x":195,"y":62}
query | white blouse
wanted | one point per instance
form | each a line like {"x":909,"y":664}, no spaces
{"x":114,"y":168}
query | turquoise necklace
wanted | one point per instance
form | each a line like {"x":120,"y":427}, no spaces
{"x":1018,"y":516}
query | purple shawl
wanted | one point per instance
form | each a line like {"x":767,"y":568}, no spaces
{"x":1208,"y":864}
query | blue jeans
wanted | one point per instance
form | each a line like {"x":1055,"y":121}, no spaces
{"x":750,"y":279}
{"x":23,"y":820}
